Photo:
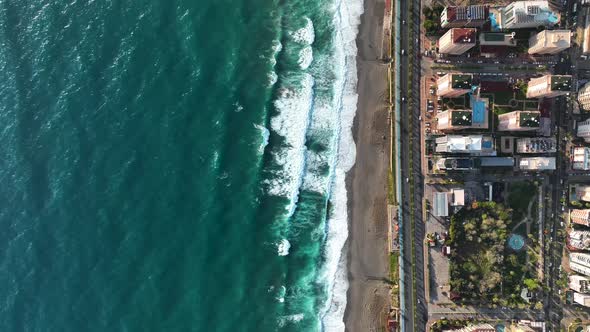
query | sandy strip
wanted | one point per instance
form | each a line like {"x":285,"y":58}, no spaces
{"x":367,"y":183}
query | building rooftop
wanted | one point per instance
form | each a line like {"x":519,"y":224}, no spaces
{"x":529,"y":119}
{"x":496,"y":39}
{"x":461,"y":118}
{"x":537,"y":163}
{"x":561,"y":83}
{"x":461,"y":81}
{"x":496,"y":162}
{"x":440,"y":204}
{"x":463,"y":36}
{"x":536,"y":145}
{"x":465,"y":13}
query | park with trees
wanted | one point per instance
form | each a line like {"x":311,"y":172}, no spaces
{"x":484,"y":268}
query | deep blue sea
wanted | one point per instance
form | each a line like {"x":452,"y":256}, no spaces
{"x":175,"y":165}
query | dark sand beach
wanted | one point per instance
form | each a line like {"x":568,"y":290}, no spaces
{"x":368,"y":299}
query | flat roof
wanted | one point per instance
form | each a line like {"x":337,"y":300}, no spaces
{"x":461,"y":118}
{"x":493,"y":36}
{"x":529,"y":119}
{"x":496,"y":161}
{"x":440,"y":204}
{"x":561,"y":83}
{"x":463,"y":36}
{"x":461,"y":81}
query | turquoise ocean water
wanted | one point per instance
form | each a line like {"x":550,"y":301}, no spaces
{"x":175,"y":165}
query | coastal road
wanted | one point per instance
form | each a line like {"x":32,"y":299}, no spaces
{"x":414,"y":313}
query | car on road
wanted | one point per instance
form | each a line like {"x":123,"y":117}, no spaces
{"x":403,"y":52}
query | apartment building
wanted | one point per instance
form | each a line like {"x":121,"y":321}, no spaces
{"x":579,"y":283}
{"x":519,"y":121}
{"x":537,"y":164}
{"x":527,"y":14}
{"x":584,"y":130}
{"x":454,"y":85}
{"x":471,"y":144}
{"x":582,"y":299}
{"x":582,"y":192}
{"x":580,"y":216}
{"x":580,"y":158}
{"x":578,"y":240}
{"x":536,"y":145}
{"x":457,"y":41}
{"x":584,"y":97}
{"x":549,"y":86}
{"x":582,"y":269}
{"x":464,"y":16}
{"x":550,"y":41}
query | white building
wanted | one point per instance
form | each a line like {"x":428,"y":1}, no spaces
{"x":537,"y":164}
{"x":579,"y":240}
{"x":580,"y":268}
{"x":580,"y":258}
{"x":582,"y":193}
{"x":584,"y":97}
{"x":584,"y":130}
{"x":582,"y":299}
{"x":579,"y":283}
{"x":472,"y":144}
{"x":536,"y":145}
{"x":550,"y":41}
{"x":527,"y":14}
{"x":581,"y":158}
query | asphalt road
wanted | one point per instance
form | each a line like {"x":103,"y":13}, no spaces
{"x":415,"y":304}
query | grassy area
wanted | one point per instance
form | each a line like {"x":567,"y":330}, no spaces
{"x":519,"y":195}
{"x":390,"y":187}
{"x":394,"y":267}
{"x":503,"y":97}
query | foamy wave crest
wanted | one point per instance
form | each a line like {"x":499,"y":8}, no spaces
{"x":265,"y":135}
{"x":272,"y":78}
{"x":276,"y":49}
{"x":334,"y":273}
{"x":305,"y":57}
{"x":283,"y":320}
{"x":291,"y":122}
{"x":305,"y":35}
{"x":323,"y":130}
{"x":281,"y":296}
{"x":283,"y":247}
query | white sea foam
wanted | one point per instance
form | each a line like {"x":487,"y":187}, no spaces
{"x":283,"y":247}
{"x":305,"y":57}
{"x":281,"y":296}
{"x":334,"y":272}
{"x":291,"y":122}
{"x":305,"y":35}
{"x":272,"y":78}
{"x":283,"y":320}
{"x":265,"y":135}
{"x":276,"y":49}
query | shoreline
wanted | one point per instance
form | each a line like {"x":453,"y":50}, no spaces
{"x":366,"y":182}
